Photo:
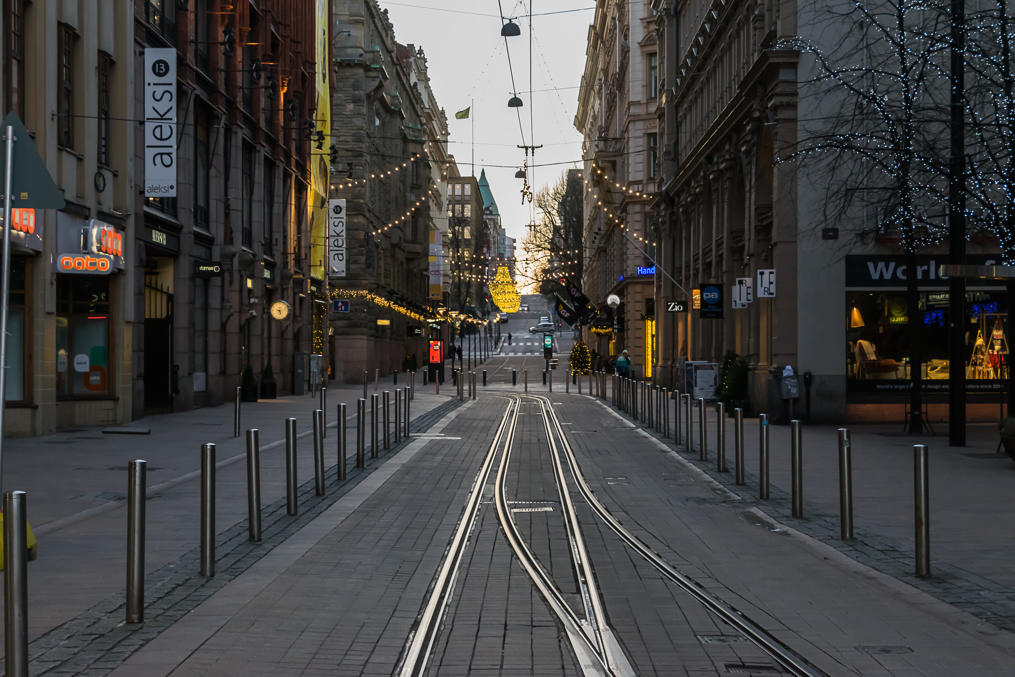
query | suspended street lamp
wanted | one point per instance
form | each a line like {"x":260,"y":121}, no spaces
{"x":510,"y":29}
{"x":514,"y":102}
{"x":520,"y":174}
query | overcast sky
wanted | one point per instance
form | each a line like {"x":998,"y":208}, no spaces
{"x":468,"y":65}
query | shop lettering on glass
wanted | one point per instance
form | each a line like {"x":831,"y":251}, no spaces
{"x":336,"y":237}
{"x":160,"y":122}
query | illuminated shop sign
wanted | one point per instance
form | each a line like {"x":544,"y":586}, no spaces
{"x":88,"y":248}
{"x":26,"y":231}
{"x":646,"y":270}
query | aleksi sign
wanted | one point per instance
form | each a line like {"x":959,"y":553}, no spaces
{"x":160,"y":131}
{"x":336,"y":238}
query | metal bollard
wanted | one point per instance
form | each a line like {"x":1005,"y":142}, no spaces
{"x":208,"y":509}
{"x":720,"y":437}
{"x":579,"y":381}
{"x":921,"y":490}
{"x":688,"y":408}
{"x":386,"y":418}
{"x":484,"y":378}
{"x":763,"y":456}
{"x":342,"y":428}
{"x":665,"y":410}
{"x":526,"y":375}
{"x":567,"y":383}
{"x":291,"y":498}
{"x":318,"y":434}
{"x":324,"y":412}
{"x":236,"y":413}
{"x":426,"y":377}
{"x":394,"y":378}
{"x":398,"y":416}
{"x":361,"y":424}
{"x":549,"y":379}
{"x":365,"y":377}
{"x":845,"y":485}
{"x":475,"y":390}
{"x":408,"y":421}
{"x":437,"y":382}
{"x":377,"y":379}
{"x":738,"y":443}
{"x":702,"y":430}
{"x":137,"y":472}
{"x":678,"y":397}
{"x":374,"y":401}
{"x":514,"y":377}
{"x":412,"y":385}
{"x":796,"y":461}
{"x":15,"y":584}
{"x":254,"y":484}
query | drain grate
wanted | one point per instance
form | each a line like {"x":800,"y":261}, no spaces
{"x":885,"y":650}
{"x":752,"y":669}
{"x":719,"y":639}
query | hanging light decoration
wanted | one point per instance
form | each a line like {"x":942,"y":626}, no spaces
{"x":510,"y":29}
{"x":515,"y":102}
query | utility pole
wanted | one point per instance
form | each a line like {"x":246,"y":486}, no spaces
{"x":957,"y":233}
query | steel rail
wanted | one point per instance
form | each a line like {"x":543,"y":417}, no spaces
{"x":609,"y":648}
{"x":417,"y":651}
{"x":787,"y":659}
{"x":591,"y":661}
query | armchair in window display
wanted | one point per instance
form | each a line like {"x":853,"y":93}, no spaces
{"x":869,"y":365}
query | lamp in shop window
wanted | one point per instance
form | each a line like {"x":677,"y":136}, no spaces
{"x":855,"y":318}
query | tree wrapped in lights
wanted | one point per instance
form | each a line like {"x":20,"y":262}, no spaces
{"x":580,"y":360}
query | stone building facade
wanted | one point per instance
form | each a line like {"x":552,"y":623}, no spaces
{"x":616,"y":116}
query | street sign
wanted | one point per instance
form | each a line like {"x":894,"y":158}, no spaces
{"x":766,"y":283}
{"x":548,"y":341}
{"x":340,"y":305}
{"x":711,"y":301}
{"x":31,"y":184}
{"x":676,"y":306}
{"x":742,"y":293}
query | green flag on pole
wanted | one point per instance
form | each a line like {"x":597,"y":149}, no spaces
{"x":462,"y":114}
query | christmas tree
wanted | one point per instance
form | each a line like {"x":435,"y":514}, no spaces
{"x":581,"y":359}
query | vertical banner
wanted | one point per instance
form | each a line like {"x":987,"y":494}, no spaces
{"x":435,"y":255}
{"x":336,"y":238}
{"x":160,"y":132}
{"x":319,"y":169}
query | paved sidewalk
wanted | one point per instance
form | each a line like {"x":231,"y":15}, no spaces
{"x":972,"y":503}
{"x":77,"y":482}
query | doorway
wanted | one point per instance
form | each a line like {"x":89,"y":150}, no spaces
{"x":158,"y":342}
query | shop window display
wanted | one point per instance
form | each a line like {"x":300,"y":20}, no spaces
{"x":878,"y":337}
{"x":82,"y":336}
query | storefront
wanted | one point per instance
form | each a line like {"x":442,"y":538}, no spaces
{"x":879,"y":340}
{"x":26,"y":244}
{"x":90,"y":256}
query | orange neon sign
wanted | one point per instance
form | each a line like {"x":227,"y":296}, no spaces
{"x":23,"y":220}
{"x":83,"y":263}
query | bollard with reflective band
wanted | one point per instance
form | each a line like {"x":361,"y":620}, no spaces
{"x":921,"y":495}
{"x":254,"y":484}
{"x":386,"y":418}
{"x":236,"y":413}
{"x":398,"y":416}
{"x":845,"y":485}
{"x":208,"y":509}
{"x":763,"y":456}
{"x":720,"y":437}
{"x":796,"y":463}
{"x":738,"y":443}
{"x":324,"y":412}
{"x":702,"y":430}
{"x":291,"y":498}
{"x":318,"y":423}
{"x":361,"y":424}
{"x":15,"y":548}
{"x":136,"y":490}
{"x":342,"y":429}
{"x":374,"y":404}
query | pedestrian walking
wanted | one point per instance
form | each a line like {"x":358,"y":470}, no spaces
{"x":623,"y":364}
{"x":509,"y":338}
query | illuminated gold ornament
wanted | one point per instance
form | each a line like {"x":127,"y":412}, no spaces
{"x":504,"y":292}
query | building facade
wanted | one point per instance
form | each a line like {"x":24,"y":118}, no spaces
{"x":617,"y":118}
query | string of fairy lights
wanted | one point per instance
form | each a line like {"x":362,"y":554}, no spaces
{"x":614,"y":218}
{"x":408,"y":214}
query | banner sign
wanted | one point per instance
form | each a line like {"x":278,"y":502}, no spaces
{"x":711,"y":301}
{"x":766,"y":283}
{"x":160,"y":131}
{"x":743,"y":293}
{"x":336,"y":237}
{"x":565,"y":312}
{"x":435,"y":255}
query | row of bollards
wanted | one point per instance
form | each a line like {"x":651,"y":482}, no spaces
{"x":648,"y":404}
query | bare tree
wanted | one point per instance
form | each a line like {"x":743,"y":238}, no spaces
{"x":553,"y":244}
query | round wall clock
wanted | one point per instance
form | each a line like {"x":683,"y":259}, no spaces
{"x":280,"y":310}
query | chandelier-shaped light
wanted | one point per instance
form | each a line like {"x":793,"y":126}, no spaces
{"x":504,"y":292}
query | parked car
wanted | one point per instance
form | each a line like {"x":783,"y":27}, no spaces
{"x":541,"y":328}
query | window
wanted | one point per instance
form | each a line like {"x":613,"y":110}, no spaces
{"x":16,"y":326}
{"x":202,"y":165}
{"x":65,"y":94}
{"x":467,"y":210}
{"x":467,"y":190}
{"x":203,"y":18}
{"x":247,"y":169}
{"x":104,"y":105}
{"x":161,"y":17}
{"x":651,"y":158}
{"x":14,"y":56}
{"x":82,"y":336}
{"x":653,"y":76}
{"x":269,"y":206}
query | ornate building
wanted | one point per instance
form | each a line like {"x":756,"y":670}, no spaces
{"x":616,"y":116}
